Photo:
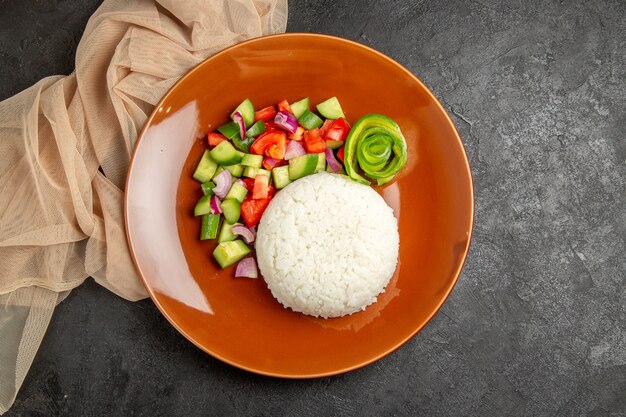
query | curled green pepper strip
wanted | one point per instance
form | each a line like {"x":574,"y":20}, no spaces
{"x":376,"y":146}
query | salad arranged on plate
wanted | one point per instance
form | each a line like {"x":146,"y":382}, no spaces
{"x":258,"y":153}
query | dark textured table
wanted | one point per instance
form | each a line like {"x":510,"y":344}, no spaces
{"x":536,"y":324}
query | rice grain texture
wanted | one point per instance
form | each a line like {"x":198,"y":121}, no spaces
{"x":327,"y":246}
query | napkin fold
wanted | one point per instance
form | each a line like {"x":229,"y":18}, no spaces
{"x":65,"y":146}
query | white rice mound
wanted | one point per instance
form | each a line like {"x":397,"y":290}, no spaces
{"x":327,"y":246}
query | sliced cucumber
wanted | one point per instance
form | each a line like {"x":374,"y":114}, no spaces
{"x":226,"y":233}
{"x":207,"y":187}
{"x":246,"y":108}
{"x":281,"y":176}
{"x":250,"y":172}
{"x":203,"y":206}
{"x":218,"y":170}
{"x":210,"y":224}
{"x":256,"y":129}
{"x":302,"y":166}
{"x":299,"y":107}
{"x":330,"y":109}
{"x":321,"y":162}
{"x":230,"y":130}
{"x":206,"y":168}
{"x":236,"y":170}
{"x":310,"y":120}
{"x":227,"y":253}
{"x":265,"y":172}
{"x":237,"y":192}
{"x":250,"y":160}
{"x":231,"y":209}
{"x":225,"y":154}
{"x":334,"y":144}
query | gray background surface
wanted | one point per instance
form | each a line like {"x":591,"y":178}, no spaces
{"x":536,"y":324}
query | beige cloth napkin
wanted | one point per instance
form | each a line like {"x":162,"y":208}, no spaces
{"x":65,"y":145}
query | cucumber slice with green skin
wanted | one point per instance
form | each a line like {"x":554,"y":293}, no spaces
{"x":254,"y":161}
{"x":250,"y":172}
{"x":207,"y":187}
{"x":242,"y":145}
{"x":231,"y":209}
{"x":310,"y":120}
{"x":246,"y":108}
{"x":228,"y":253}
{"x":226,"y":233}
{"x":334,"y":144}
{"x":256,"y":129}
{"x":225,"y":154}
{"x":203,"y":206}
{"x":218,"y":170}
{"x":330,"y":109}
{"x":235,"y":170}
{"x":321,"y":162}
{"x":265,"y":172}
{"x":302,"y":166}
{"x":206,"y":168}
{"x":210,"y":224}
{"x":237,"y":192}
{"x":299,"y":107}
{"x":230,"y":130}
{"x":281,"y":176}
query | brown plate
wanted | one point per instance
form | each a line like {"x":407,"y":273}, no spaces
{"x":237,"y":320}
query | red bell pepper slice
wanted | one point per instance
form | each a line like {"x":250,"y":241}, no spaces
{"x":266,"y":114}
{"x":338,"y":130}
{"x":215,"y":139}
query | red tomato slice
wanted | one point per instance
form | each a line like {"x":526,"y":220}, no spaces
{"x":261,"y":187}
{"x":325,"y":126}
{"x":266,"y":114}
{"x":271,"y":144}
{"x":252,"y":210}
{"x":215,"y":139}
{"x":313,"y":143}
{"x":284,"y":105}
{"x":272,"y":127}
{"x":338,"y":130}
{"x":340,"y":153}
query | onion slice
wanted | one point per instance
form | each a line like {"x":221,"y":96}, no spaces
{"x":238,"y":118}
{"x":286,"y":120}
{"x":248,"y":235}
{"x":332,"y":162}
{"x":216,"y":205}
{"x":269,"y":163}
{"x":246,"y":268}
{"x":293,"y":150}
{"x":222,"y":181}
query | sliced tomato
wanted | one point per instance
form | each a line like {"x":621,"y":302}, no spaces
{"x":284,"y":105}
{"x":270,"y":144}
{"x":272,"y":127}
{"x":313,"y":143}
{"x":252,"y":210}
{"x":325,"y":126}
{"x":261,"y":187}
{"x":297,"y":135}
{"x":215,"y":139}
{"x":340,"y":153}
{"x":266,"y":114}
{"x":338,"y":130}
{"x":249,"y":184}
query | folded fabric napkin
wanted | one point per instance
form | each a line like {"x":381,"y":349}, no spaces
{"x":66,"y":144}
